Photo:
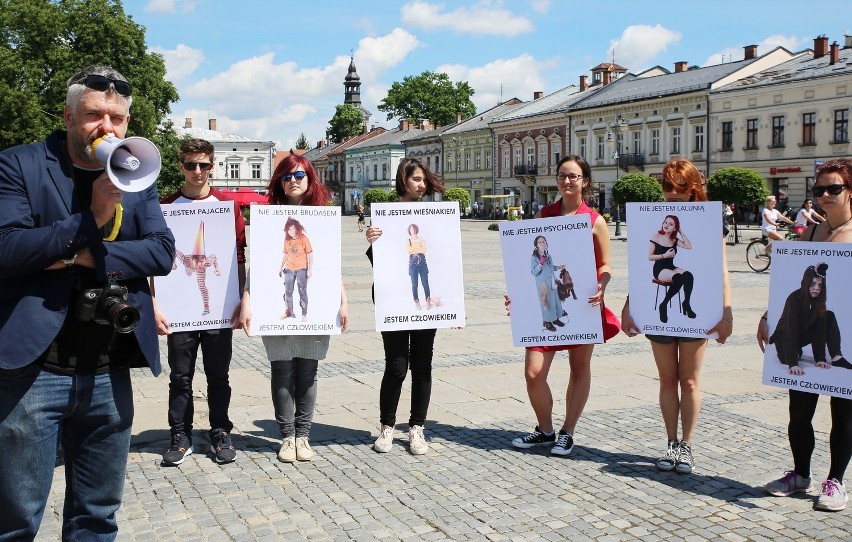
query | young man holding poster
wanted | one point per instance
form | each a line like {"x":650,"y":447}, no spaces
{"x":833,"y":190}
{"x":196,"y":164}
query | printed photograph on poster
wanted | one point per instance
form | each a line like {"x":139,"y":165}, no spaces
{"x":549,"y":265}
{"x":809,"y":314}
{"x":417,"y":266}
{"x":202,"y":290}
{"x":295,"y":273}
{"x":675,"y":270}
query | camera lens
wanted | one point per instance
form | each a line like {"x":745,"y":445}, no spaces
{"x":122,"y":316}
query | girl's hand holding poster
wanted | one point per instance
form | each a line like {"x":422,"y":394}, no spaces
{"x":807,"y":318}
{"x":675,"y":270}
{"x":549,"y":265}
{"x":295,"y":270}
{"x":202,"y":291}
{"x":417,"y":266}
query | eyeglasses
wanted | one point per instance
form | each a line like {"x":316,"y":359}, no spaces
{"x":102,"y":84}
{"x":573,"y":177}
{"x":669,"y":186}
{"x":190,"y":166}
{"x":299,"y":175}
{"x":833,"y":189}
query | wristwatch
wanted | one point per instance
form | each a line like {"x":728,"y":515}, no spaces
{"x":69,"y":262}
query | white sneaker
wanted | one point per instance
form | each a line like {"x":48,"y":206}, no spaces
{"x":287,"y":453}
{"x":384,"y":443}
{"x":303,"y":449}
{"x":417,"y":444}
{"x":832,"y":496}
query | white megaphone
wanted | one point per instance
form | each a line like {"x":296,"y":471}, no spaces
{"x":132,"y":164}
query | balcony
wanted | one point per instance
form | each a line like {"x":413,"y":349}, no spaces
{"x":631,"y":159}
{"x":526,"y":171}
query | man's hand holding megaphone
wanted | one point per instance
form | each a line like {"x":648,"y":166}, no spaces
{"x":106,"y":197}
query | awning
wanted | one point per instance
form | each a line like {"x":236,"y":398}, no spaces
{"x":245,"y":196}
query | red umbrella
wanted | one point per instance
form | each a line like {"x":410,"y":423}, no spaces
{"x":245,"y":196}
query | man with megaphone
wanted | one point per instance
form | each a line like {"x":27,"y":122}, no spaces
{"x":75,"y":310}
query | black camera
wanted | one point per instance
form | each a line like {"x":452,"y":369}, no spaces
{"x":107,"y":305}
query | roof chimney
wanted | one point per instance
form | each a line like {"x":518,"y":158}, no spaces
{"x":188,"y":122}
{"x":820,"y":46}
{"x":847,"y":42}
{"x":607,"y":77}
{"x":403,"y":125}
{"x":583,"y":82}
{"x":750,"y":52}
{"x":680,"y":66}
{"x":212,"y":124}
{"x":537,"y":95}
{"x":458,"y":116}
{"x":320,"y":144}
{"x":834,"y":53}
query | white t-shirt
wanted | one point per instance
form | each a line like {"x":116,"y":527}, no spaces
{"x":802,"y":216}
{"x":770,"y":214}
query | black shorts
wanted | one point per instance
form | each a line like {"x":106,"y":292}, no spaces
{"x":668,"y":339}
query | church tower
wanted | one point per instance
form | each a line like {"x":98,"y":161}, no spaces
{"x":352,"y":91}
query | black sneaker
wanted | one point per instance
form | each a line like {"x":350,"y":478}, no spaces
{"x":222,"y":447}
{"x":668,"y":461}
{"x":564,"y":444}
{"x":536,"y":438}
{"x":177,"y":452}
{"x":685,"y":462}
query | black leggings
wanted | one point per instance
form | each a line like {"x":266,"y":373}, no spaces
{"x":404,"y":348}
{"x":801,"y":433}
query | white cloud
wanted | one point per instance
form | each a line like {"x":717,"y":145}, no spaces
{"x":170,"y":6}
{"x":730,"y":54}
{"x":639,"y":44}
{"x":519,"y":77}
{"x":483,"y":18}
{"x":181,"y":62}
{"x":541,"y":6}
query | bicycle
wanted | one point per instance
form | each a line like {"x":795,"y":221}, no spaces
{"x":757,"y":255}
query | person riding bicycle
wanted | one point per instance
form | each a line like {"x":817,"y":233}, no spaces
{"x":771,"y":218}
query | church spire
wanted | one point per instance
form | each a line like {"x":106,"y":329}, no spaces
{"x":352,"y":86}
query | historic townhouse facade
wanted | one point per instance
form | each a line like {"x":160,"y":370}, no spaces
{"x":336,"y":168}
{"x":469,"y":152}
{"x":427,"y":147}
{"x":781,"y":122}
{"x":240,"y":161}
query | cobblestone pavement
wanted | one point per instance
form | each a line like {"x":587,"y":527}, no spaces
{"x":472,"y":485}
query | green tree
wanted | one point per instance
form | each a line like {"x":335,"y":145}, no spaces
{"x":44,"y":42}
{"x":375,"y":195}
{"x":393,"y":197}
{"x":743,"y":187}
{"x":430,"y":96}
{"x":460,"y":195}
{"x":168,"y":142}
{"x":302,"y":142}
{"x":636,"y":187}
{"x":347,"y":121}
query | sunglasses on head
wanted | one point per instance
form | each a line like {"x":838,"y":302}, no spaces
{"x":299,"y":175}
{"x":190,"y":166}
{"x":833,"y":189}
{"x":102,"y":83}
{"x":669,"y":186}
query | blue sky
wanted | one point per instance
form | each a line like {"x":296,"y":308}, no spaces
{"x":274,"y":69}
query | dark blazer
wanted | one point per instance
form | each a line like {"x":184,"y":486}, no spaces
{"x":37,"y":228}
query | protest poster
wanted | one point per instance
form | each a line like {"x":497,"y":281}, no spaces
{"x":549,"y":265}
{"x":295,"y":270}
{"x":417,"y":266}
{"x":675,"y":267}
{"x":809,"y":313}
{"x":202,"y":291}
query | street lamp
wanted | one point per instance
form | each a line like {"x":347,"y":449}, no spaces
{"x":616,"y":127}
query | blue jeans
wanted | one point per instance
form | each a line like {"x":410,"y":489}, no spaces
{"x":417,"y":267}
{"x":300,"y":277}
{"x":294,"y":395}
{"x":92,"y":415}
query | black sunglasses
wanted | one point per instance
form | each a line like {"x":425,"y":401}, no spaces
{"x":190,"y":166}
{"x":299,"y":175}
{"x":102,"y":84}
{"x":833,"y":189}
{"x":669,"y":186}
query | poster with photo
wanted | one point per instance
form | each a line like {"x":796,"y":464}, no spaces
{"x":202,"y":291}
{"x":675,"y":267}
{"x":295,"y":270}
{"x":417,"y":266}
{"x":549,"y":264}
{"x":809,"y":314}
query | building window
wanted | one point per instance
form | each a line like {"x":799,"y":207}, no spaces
{"x":675,"y":139}
{"x":487,"y":159}
{"x":698,"y":141}
{"x":809,"y":129}
{"x":841,"y":126}
{"x":234,"y":170}
{"x":467,"y":161}
{"x":517,"y":156}
{"x":556,"y":157}
{"x":600,"y":153}
{"x":351,"y":174}
{"x":542,"y":155}
{"x":505,"y":159}
{"x":458,"y":161}
{"x":751,"y":134}
{"x":255,"y":171}
{"x":582,"y":147}
{"x":728,"y":136}
{"x":429,"y":163}
{"x":777,"y":131}
{"x":531,"y":155}
{"x":655,"y":141}
{"x":376,"y":171}
{"x":637,"y":142}
{"x":384,"y":171}
{"x":477,"y":160}
{"x":437,"y":164}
